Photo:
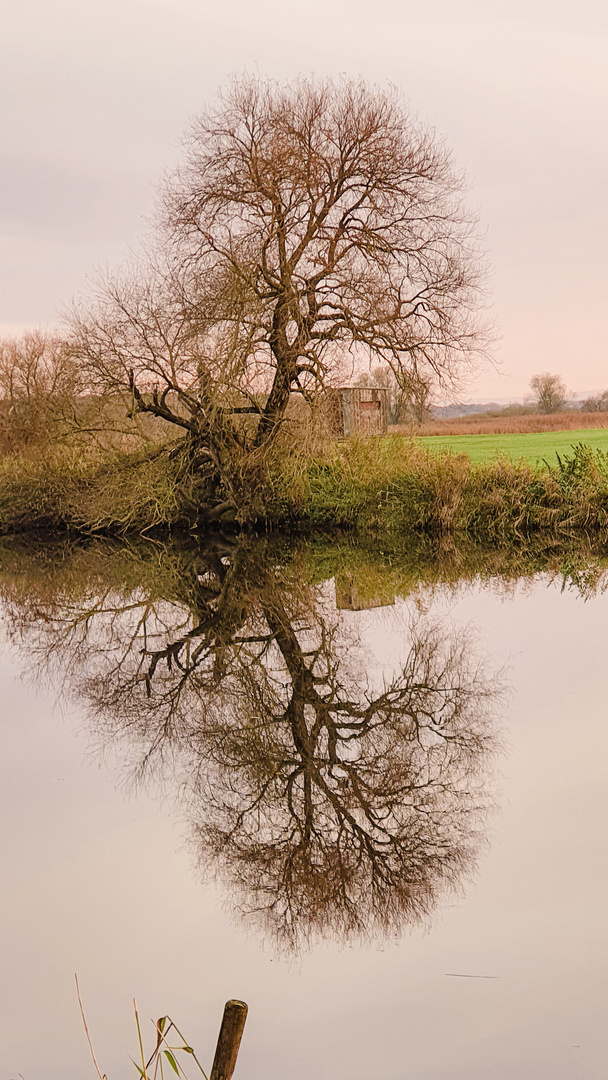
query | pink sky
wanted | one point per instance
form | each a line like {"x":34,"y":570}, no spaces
{"x":96,"y":96}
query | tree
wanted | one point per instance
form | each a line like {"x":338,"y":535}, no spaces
{"x":596,"y":404}
{"x":549,"y":392}
{"x":308,"y":223}
{"x":38,"y":382}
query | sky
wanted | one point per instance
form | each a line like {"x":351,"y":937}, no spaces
{"x":95,"y":99}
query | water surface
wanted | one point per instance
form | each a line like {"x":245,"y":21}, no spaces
{"x":288,"y":774}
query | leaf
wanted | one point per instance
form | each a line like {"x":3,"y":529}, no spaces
{"x":140,"y":1071}
{"x":171,"y":1060}
{"x":161,"y":1023}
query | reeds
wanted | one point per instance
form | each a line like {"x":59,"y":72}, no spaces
{"x":488,"y":424}
{"x":164,"y":1052}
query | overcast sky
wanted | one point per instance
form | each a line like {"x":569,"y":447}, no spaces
{"x":96,"y":97}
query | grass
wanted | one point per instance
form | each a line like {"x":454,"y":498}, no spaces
{"x":532,"y":447}
{"x":396,"y":485}
{"x":153,"y":1065}
{"x":380,"y":485}
{"x":92,"y":492}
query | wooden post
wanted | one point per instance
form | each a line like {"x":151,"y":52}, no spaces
{"x":229,"y":1040}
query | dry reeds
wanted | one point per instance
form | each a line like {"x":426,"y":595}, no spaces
{"x":92,"y":492}
{"x":506,"y":425}
{"x":164,"y":1052}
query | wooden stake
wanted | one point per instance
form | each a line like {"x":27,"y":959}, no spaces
{"x":235,"y":1014}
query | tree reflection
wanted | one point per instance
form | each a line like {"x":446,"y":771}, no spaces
{"x":333,"y":799}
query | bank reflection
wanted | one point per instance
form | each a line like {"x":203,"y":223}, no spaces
{"x":333,"y":801}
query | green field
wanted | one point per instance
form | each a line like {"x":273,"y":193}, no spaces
{"x":532,"y":447}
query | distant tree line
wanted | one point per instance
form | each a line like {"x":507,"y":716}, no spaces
{"x":596,"y":404}
{"x":549,"y":395}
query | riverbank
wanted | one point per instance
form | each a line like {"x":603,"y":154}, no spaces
{"x":385,"y":485}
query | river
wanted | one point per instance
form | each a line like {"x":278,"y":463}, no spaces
{"x":361,"y":788}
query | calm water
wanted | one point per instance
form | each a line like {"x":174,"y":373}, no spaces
{"x":328,"y":781}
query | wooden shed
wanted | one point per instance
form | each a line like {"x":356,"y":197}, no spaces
{"x":359,"y":410}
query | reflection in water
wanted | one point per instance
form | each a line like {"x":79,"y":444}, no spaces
{"x":330,"y":799}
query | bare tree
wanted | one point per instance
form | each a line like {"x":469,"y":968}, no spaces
{"x":307,"y":222}
{"x":599,"y":403}
{"x":549,"y":392}
{"x":38,"y":383}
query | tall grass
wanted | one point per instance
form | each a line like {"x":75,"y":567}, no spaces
{"x":94,"y":492}
{"x":382,"y":485}
{"x":164,"y":1052}
{"x":392,"y":485}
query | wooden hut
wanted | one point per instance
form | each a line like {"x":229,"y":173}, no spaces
{"x":358,"y":410}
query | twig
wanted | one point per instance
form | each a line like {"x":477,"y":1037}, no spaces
{"x":101,"y":1075}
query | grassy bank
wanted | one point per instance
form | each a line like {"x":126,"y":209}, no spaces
{"x":396,"y":485}
{"x":95,"y":492}
{"x":390,"y":485}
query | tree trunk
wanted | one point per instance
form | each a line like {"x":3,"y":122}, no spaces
{"x":275,"y":407}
